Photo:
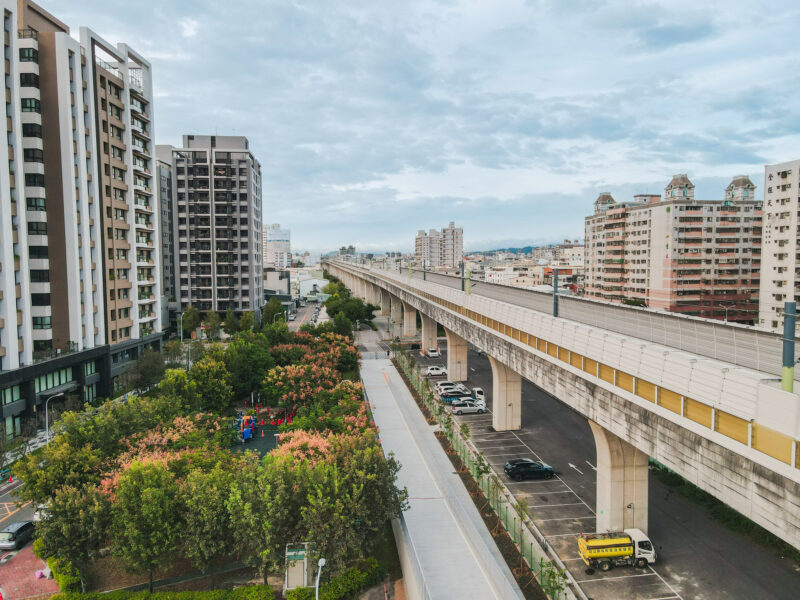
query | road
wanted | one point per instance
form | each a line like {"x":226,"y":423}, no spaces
{"x":304,"y":314}
{"x":698,"y":558}
{"x":10,"y":513}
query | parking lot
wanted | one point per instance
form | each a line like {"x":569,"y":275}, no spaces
{"x":691,"y":560}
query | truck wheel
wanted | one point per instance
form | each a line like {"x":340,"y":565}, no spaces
{"x":458,"y":412}
{"x":605,"y":565}
{"x":641,"y":563}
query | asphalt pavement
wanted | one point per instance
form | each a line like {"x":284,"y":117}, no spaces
{"x":698,"y":558}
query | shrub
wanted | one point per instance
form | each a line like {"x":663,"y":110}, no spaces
{"x":253,"y":592}
{"x":347,"y":585}
{"x":65,"y":574}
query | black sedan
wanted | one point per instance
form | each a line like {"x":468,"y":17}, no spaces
{"x":525,"y":468}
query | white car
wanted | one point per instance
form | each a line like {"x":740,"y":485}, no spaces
{"x":441,"y":384}
{"x":433,"y":353}
{"x":465,"y":407}
{"x":479,"y":394}
{"x":445,"y":389}
{"x":436,"y":371}
{"x":40,"y":513}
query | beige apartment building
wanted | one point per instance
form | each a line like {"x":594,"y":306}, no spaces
{"x":780,"y":265}
{"x":676,"y":253}
{"x":444,"y":248}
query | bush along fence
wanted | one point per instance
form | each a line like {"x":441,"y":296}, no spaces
{"x":541,"y":559}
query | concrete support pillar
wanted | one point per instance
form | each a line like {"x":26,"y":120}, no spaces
{"x":409,"y":320}
{"x":396,"y":316}
{"x":456,"y":356}
{"x":621,"y":482}
{"x":506,"y":397}
{"x":428,"y":333}
{"x":375,"y":296}
{"x":386,"y":303}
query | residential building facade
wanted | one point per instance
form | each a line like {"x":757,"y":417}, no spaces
{"x":277,"y":244}
{"x":439,"y":248}
{"x":780,"y":263}
{"x":54,"y":322}
{"x":676,"y":253}
{"x":217,"y":224}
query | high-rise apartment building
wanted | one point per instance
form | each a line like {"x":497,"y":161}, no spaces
{"x":277,"y":246}
{"x":444,"y":248}
{"x":217,"y":224}
{"x":167,"y":242}
{"x":54,"y":329}
{"x":697,"y":257}
{"x":780,"y":263}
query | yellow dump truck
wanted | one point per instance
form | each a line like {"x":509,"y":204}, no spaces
{"x":606,"y":550}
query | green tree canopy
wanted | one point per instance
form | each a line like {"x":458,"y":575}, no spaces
{"x":191,"y":320}
{"x":212,"y":324}
{"x":248,"y":321}
{"x":248,"y":360}
{"x":146,"y":372}
{"x":212,"y":379}
{"x":270,"y":312}
{"x":173,"y":353}
{"x":231,"y":322}
{"x":147,"y":518}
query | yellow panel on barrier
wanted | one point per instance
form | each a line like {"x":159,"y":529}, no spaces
{"x":772,"y":443}
{"x":541,"y":345}
{"x":669,"y":400}
{"x":731,"y":426}
{"x":625,"y":381}
{"x":697,"y":412}
{"x":646,"y":390}
{"x":590,"y":366}
{"x":515,"y":333}
{"x":576,"y":360}
{"x":532,"y":340}
{"x":563,"y":354}
{"x":552,"y":349}
{"x":607,"y":373}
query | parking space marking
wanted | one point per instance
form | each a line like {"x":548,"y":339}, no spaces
{"x":551,"y":505}
{"x":612,"y":578}
{"x":564,"y":519}
{"x":495,"y":447}
{"x":671,"y":589}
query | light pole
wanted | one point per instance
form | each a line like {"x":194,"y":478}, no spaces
{"x":727,"y":307}
{"x":180,"y":326}
{"x":47,"y":416}
{"x":320,"y":564}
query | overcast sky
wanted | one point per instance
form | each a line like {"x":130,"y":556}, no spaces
{"x":373,"y":119}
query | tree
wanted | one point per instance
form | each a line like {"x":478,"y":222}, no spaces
{"x":75,"y":527}
{"x":271,"y":310}
{"x":146,"y":371}
{"x":212,"y":379}
{"x":173,"y":353}
{"x":342,"y":325}
{"x":147,"y":518}
{"x":207,"y":534}
{"x":177,"y":384}
{"x":248,"y":321}
{"x":231,"y":322}
{"x":197,"y":350}
{"x":191,"y":320}
{"x":248,"y":361}
{"x":212,"y":324}
{"x":247,"y":502}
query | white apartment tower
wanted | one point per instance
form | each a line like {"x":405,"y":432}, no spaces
{"x":780,"y":267}
{"x":277,"y":245}
{"x":443,"y":248}
{"x":217,"y":224}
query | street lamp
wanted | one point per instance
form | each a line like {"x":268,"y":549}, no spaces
{"x":47,"y":416}
{"x":727,"y":307}
{"x":321,"y":564}
{"x":180,"y":326}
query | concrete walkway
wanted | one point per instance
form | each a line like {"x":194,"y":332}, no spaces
{"x":445,"y":548}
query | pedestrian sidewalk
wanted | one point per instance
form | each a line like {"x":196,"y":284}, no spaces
{"x":18,"y":577}
{"x":445,"y":548}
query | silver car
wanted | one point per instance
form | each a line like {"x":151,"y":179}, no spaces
{"x":465,"y":407}
{"x":16,"y":535}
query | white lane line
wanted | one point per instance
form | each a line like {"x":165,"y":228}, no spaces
{"x":591,"y":465}
{"x":517,"y":454}
{"x":532,"y":482}
{"x":663,"y":598}
{"x":549,"y":505}
{"x":495,"y":447}
{"x":576,"y":468}
{"x":550,"y":493}
{"x":664,"y":581}
{"x":611,"y":578}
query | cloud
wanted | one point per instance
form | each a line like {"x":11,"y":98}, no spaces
{"x":372,"y":120}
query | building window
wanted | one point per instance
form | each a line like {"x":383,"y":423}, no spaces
{"x":37,"y":204}
{"x":37,"y":252}
{"x":29,"y":80}
{"x":31,"y":130}
{"x":40,"y":276}
{"x":41,"y":323}
{"x":33,"y":155}
{"x":34,"y":180}
{"x":37,"y":228}
{"x":28,"y":55}
{"x":9,"y":395}
{"x":31,"y":105}
{"x":40,"y":299}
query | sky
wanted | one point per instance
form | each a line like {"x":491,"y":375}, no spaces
{"x":373,"y":119}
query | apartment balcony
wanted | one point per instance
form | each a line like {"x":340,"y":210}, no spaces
{"x":147,"y":317}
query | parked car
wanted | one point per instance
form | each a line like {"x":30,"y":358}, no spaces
{"x":526,"y":468}
{"x":40,"y":513}
{"x":450,"y":389}
{"x":443,"y":384}
{"x":433,"y":353}
{"x":479,"y":394}
{"x":436,"y":371}
{"x":292,"y":317}
{"x":16,"y":535}
{"x":465,"y":407}
{"x":456,"y":395}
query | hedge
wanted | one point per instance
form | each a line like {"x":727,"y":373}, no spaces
{"x":65,"y":575}
{"x":254,"y":592}
{"x":346,"y":585}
